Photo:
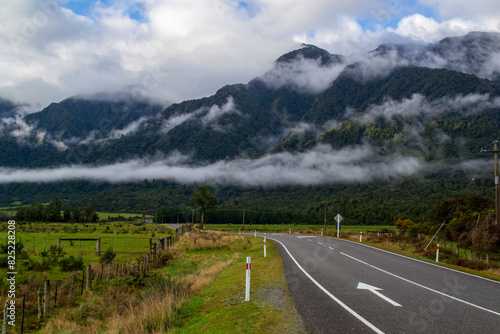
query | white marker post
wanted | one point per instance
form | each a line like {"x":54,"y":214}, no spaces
{"x":247,"y":292}
{"x":321,"y":232}
{"x":265,"y":254}
{"x":360,"y":236}
{"x":437,"y":253}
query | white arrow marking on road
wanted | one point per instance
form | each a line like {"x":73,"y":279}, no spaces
{"x":363,"y":286}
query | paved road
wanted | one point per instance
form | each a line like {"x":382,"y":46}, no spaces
{"x":334,"y":287}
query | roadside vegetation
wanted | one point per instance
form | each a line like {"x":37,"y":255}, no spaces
{"x":177,"y":295}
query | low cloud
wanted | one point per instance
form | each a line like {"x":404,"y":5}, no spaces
{"x":211,"y":115}
{"x":130,"y":128}
{"x":322,"y":165}
{"x":418,"y":106}
{"x":303,"y":75}
{"x":215,"y":111}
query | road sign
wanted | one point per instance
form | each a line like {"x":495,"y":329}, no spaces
{"x":338,"y":218}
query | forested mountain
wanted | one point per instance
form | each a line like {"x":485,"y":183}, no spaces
{"x":400,"y":111}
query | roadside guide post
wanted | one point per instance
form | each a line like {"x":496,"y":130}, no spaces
{"x":265,"y":245}
{"x":247,"y":292}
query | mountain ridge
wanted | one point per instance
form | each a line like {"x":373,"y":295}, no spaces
{"x":306,"y":94}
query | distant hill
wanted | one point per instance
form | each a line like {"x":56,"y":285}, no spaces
{"x":428,"y":106}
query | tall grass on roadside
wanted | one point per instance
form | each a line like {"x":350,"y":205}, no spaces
{"x":196,"y":240}
{"x":148,"y":304}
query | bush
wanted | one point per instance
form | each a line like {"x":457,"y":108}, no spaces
{"x":108,"y":256}
{"x":35,"y":265}
{"x":71,"y":263}
{"x":3,"y":262}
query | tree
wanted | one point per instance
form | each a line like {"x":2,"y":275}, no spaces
{"x":204,"y":200}
{"x":67,"y":215}
{"x":77,"y":215}
{"x":90,"y":213}
{"x":53,"y":211}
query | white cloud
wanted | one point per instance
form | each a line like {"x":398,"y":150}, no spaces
{"x":303,"y":75}
{"x":215,"y":111}
{"x":185,"y":49}
{"x":318,"y":166}
{"x":424,"y":29}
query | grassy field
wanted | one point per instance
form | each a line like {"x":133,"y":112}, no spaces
{"x":128,"y":240}
{"x":295,"y":228}
{"x":108,"y":215}
{"x":200,"y":290}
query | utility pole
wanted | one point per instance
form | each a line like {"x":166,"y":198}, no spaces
{"x":243,"y":220}
{"x":495,"y":152}
{"x":325,"y":219}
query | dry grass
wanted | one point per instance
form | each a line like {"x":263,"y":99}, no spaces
{"x":118,"y":309}
{"x":204,"y":240}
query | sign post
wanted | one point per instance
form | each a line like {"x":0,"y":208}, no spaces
{"x":338,"y":218}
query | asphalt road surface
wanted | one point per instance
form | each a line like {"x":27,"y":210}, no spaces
{"x":340,"y":286}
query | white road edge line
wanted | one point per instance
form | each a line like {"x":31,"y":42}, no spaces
{"x":338,"y":301}
{"x":417,"y":260}
{"x":420,"y":285}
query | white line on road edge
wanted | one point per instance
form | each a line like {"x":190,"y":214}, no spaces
{"x":338,"y":301}
{"x":417,"y":260}
{"x":420,"y":285}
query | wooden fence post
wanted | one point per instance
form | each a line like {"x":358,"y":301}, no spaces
{"x":4,"y":326}
{"x":46,"y":298}
{"x":71,"y":286}
{"x":89,"y":269}
{"x":83,"y":282}
{"x":40,"y":308}
{"x":109,"y":271}
{"x":98,"y":246}
{"x":59,"y":242}
{"x":55,"y":296}
{"x":22,"y":316}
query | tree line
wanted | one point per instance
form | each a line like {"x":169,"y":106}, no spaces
{"x":53,"y":213}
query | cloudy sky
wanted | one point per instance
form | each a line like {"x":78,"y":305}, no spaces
{"x":172,"y":50}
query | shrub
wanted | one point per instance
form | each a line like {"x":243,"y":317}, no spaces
{"x":3,"y":262}
{"x":108,"y":256}
{"x":35,"y":265}
{"x":71,"y":263}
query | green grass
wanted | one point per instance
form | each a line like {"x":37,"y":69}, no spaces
{"x":296,"y":228}
{"x":128,"y":240}
{"x":107,"y":215}
{"x":221,"y":307}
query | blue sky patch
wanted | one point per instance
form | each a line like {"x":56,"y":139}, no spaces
{"x":394,"y":11}
{"x":84,"y":8}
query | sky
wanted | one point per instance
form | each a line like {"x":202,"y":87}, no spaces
{"x":174,"y":50}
